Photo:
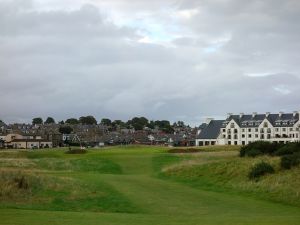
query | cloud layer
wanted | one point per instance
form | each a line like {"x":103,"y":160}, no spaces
{"x":177,"y":60}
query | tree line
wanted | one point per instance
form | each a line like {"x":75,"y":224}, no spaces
{"x":137,"y":123}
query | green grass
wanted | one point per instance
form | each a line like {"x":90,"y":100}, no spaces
{"x":143,"y":185}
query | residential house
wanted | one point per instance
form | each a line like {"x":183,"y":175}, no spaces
{"x":26,"y":142}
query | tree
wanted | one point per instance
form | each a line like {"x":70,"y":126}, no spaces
{"x":119,"y":123}
{"x":87,"y":120}
{"x":72,"y":121}
{"x":151,"y":124}
{"x":37,"y":120}
{"x":106,"y":122}
{"x":164,"y":125}
{"x":180,"y":124}
{"x":61,"y":122}
{"x":49,"y":120}
{"x":138,"y":123}
{"x":65,"y":129}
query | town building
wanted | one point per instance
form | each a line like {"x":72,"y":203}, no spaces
{"x":26,"y":142}
{"x":243,"y":129}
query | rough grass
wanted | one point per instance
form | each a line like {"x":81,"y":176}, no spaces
{"x":224,"y":171}
{"x":142,"y":185}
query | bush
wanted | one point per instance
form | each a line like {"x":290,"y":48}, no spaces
{"x":288,"y":149}
{"x":76,"y":151}
{"x":254,"y":152}
{"x":259,"y":170}
{"x":289,"y":161}
{"x":259,"y":148}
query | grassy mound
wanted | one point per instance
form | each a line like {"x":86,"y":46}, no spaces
{"x":76,"y":151}
{"x":231,"y":174}
{"x":183,"y":150}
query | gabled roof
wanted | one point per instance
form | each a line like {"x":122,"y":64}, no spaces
{"x":277,"y":120}
{"x":212,"y":130}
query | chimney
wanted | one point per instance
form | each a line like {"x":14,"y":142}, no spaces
{"x":254,"y":114}
{"x":208,"y":120}
{"x":241,"y":115}
{"x":267,"y":114}
{"x":229,"y":115}
{"x":295,"y":113}
{"x":280,"y":114}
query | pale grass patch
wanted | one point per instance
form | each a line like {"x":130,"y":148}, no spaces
{"x":17,"y":162}
{"x":200,"y":158}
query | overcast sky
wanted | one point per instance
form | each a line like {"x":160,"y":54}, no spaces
{"x":163,"y":59}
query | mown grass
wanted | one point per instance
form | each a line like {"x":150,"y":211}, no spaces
{"x":138,"y":185}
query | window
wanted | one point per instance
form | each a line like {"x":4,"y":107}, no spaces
{"x":229,"y":142}
{"x":265,"y":124}
{"x":291,"y":129}
{"x":249,"y":129}
{"x":249,"y":135}
{"x":235,"y":130}
{"x":256,"y":129}
{"x":283,"y":129}
{"x":243,"y":135}
{"x":276,"y":129}
{"x":235,"y":143}
{"x":232,"y":125}
{"x":224,"y":130}
{"x":243,"y":142}
{"x":256,"y":135}
{"x":243,"y":130}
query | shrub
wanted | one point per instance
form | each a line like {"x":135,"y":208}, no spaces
{"x":76,"y":151}
{"x":254,"y":152}
{"x":259,"y":148}
{"x":288,"y":149}
{"x":259,"y":170}
{"x":289,"y":161}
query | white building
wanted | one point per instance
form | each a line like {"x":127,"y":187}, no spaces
{"x":243,"y":129}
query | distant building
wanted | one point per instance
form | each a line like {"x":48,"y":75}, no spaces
{"x":26,"y":142}
{"x":243,"y":129}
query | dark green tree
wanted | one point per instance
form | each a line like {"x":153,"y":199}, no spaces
{"x":106,"y":122}
{"x":72,"y":121}
{"x":151,"y":124}
{"x":164,"y":125}
{"x":87,"y":120}
{"x":37,"y":120}
{"x":49,"y":120}
{"x":138,"y":123}
{"x":65,"y":129}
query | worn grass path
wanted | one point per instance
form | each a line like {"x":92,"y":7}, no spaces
{"x":160,"y":201}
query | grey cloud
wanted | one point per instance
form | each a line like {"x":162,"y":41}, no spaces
{"x":68,"y":63}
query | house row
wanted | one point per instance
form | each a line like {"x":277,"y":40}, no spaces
{"x":242,"y":129}
{"x":24,"y":141}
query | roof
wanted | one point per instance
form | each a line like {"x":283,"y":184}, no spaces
{"x":212,"y":130}
{"x":277,"y":120}
{"x":29,"y":140}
